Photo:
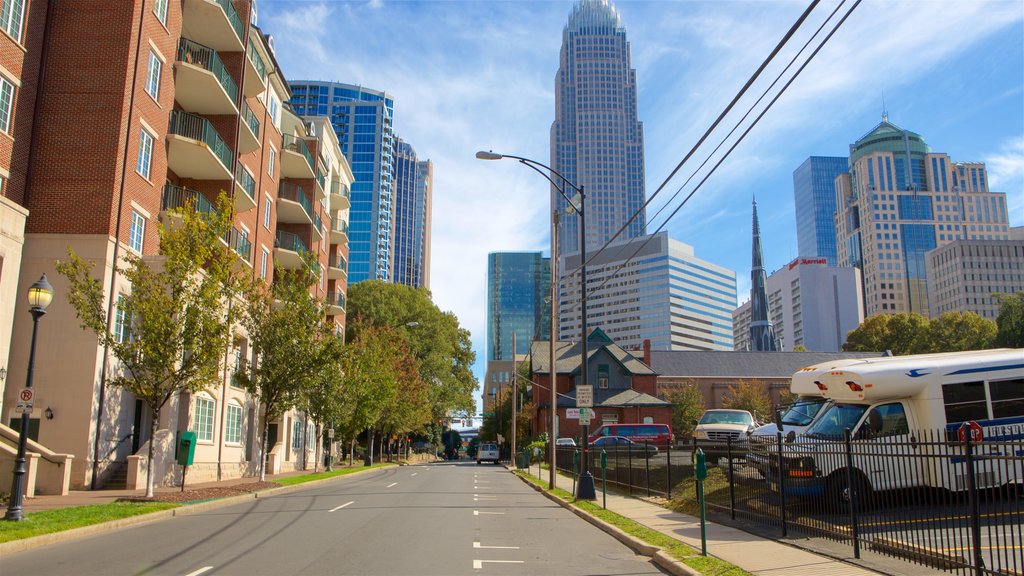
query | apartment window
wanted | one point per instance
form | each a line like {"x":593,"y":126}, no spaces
{"x":233,"y":430}
{"x":12,"y":15}
{"x":296,"y":435}
{"x":270,"y":162}
{"x":202,"y":419}
{"x":122,"y":328}
{"x":273,"y":108}
{"x":6,"y":104}
{"x":137,"y":234}
{"x":263,"y":263}
{"x":153,"y":78}
{"x":145,"y":159}
{"x":266,"y":212}
{"x":160,"y":9}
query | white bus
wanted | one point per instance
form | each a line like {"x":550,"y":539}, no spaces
{"x":904,"y":414}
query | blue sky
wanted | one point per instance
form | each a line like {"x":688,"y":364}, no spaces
{"x":479,"y":75}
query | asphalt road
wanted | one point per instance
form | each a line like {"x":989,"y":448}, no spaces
{"x":444,"y":519}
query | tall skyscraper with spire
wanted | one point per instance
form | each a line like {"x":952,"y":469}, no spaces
{"x":762,"y":334}
{"x":597,"y":141}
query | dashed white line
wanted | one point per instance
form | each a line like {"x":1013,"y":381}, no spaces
{"x":392,"y":484}
{"x":200,"y":571}
{"x":479,"y":545}
{"x":479,"y":564}
{"x":413,"y":474}
{"x":336,"y":508}
{"x":477,"y":513}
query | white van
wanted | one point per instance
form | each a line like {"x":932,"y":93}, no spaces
{"x":904,"y":414}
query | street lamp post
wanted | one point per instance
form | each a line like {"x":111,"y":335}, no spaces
{"x":39,"y":296}
{"x":585,"y":485}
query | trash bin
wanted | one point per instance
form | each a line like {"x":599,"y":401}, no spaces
{"x":523,"y":460}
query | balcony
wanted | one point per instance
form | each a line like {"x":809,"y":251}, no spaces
{"x":337,"y":267}
{"x":214,"y":23}
{"x":293,"y":205}
{"x":296,"y":159}
{"x":177,"y":199}
{"x":201,"y":82}
{"x":249,"y":135}
{"x":318,"y":227}
{"x":321,"y":184}
{"x":245,"y":190}
{"x":289,"y":250}
{"x":239,"y":243}
{"x":339,"y":231}
{"x":341,"y":197}
{"x":335,"y":303}
{"x":255,"y":72}
{"x":195,"y":149}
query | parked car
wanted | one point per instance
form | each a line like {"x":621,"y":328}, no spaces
{"x":657,"y":434}
{"x":488,"y":451}
{"x":717,"y":429}
{"x":623,"y":446}
{"x":566,"y":442}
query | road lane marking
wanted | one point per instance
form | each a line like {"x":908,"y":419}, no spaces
{"x":479,"y":564}
{"x":200,"y":571}
{"x":392,"y":484}
{"x":477,"y":513}
{"x":479,"y":545}
{"x":335,"y":509}
{"x":413,"y":474}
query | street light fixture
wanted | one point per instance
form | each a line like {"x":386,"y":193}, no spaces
{"x":585,"y":485}
{"x":40,"y":294}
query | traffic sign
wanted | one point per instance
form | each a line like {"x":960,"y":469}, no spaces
{"x":572,"y":413}
{"x":26,"y":399}
{"x":586,"y":414}
{"x":584,"y":396}
{"x":972,"y":428}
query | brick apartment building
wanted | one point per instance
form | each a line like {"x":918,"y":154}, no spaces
{"x":111,"y":114}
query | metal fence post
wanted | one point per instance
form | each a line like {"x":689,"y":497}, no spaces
{"x":668,"y":469}
{"x":732,"y":483}
{"x":629,"y":459}
{"x":647,"y":466}
{"x":848,"y":447}
{"x":972,"y":498}
{"x":782,"y":483}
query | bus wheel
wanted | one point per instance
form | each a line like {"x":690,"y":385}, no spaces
{"x":839,"y":493}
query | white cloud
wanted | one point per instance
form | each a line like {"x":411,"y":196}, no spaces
{"x":1006,"y":174}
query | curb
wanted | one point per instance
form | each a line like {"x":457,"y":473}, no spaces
{"x":657,"y":555}
{"x":25,"y":544}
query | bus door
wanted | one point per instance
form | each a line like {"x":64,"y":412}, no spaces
{"x":886,"y":450}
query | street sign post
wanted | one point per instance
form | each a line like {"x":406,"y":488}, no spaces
{"x":26,"y":400}
{"x":584,"y":396}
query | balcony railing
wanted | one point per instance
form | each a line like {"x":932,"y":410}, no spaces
{"x":233,"y":17}
{"x":179,"y":198}
{"x":239,"y":243}
{"x":318,"y":223}
{"x":338,"y":261}
{"x":336,"y":299}
{"x":340,"y":225}
{"x":246,"y":182}
{"x":321,"y":179}
{"x":289,"y":241}
{"x":290,"y":191}
{"x":298,"y":145}
{"x":198,"y":128}
{"x":251,"y":120}
{"x":257,"y":62}
{"x":204,"y":57}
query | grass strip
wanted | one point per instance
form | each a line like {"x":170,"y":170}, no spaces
{"x":303,"y":478}
{"x":60,"y":519}
{"x":685,"y":553}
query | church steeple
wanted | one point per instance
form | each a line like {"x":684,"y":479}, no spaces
{"x":762,"y":334}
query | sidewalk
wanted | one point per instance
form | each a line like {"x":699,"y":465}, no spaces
{"x":752,"y":553}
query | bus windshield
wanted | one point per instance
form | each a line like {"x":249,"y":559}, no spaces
{"x":803,"y":412}
{"x":838,"y":418}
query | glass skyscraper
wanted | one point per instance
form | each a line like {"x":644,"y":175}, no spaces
{"x":597,"y":142}
{"x":518,"y":288}
{"x":814,"y":199}
{"x":413,"y":189}
{"x":362,"y":119}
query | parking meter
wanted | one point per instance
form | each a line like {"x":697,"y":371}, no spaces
{"x":700,"y":469}
{"x":700,"y":472}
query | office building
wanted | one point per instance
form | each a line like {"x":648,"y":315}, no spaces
{"x":119,"y":139}
{"x":814,"y":198}
{"x":597,"y":142}
{"x":413,"y":191}
{"x":812,"y":305}
{"x":362,"y":121}
{"x":900,"y":200}
{"x":652,"y":288}
{"x":518,"y":286}
{"x":963,"y":275}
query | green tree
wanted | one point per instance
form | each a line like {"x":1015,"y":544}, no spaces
{"x":749,"y":395}
{"x":286,"y":330}
{"x":687,"y":407}
{"x":1010,"y":322}
{"x":323,"y":397}
{"x":959,"y":331}
{"x":171,"y":329}
{"x":905,"y":333}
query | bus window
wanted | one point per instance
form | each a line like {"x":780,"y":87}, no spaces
{"x":964,"y":401}
{"x":1007,"y":398}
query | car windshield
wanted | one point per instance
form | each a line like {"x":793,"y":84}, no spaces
{"x":803,"y":412}
{"x":723,"y":417}
{"x":838,"y":418}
